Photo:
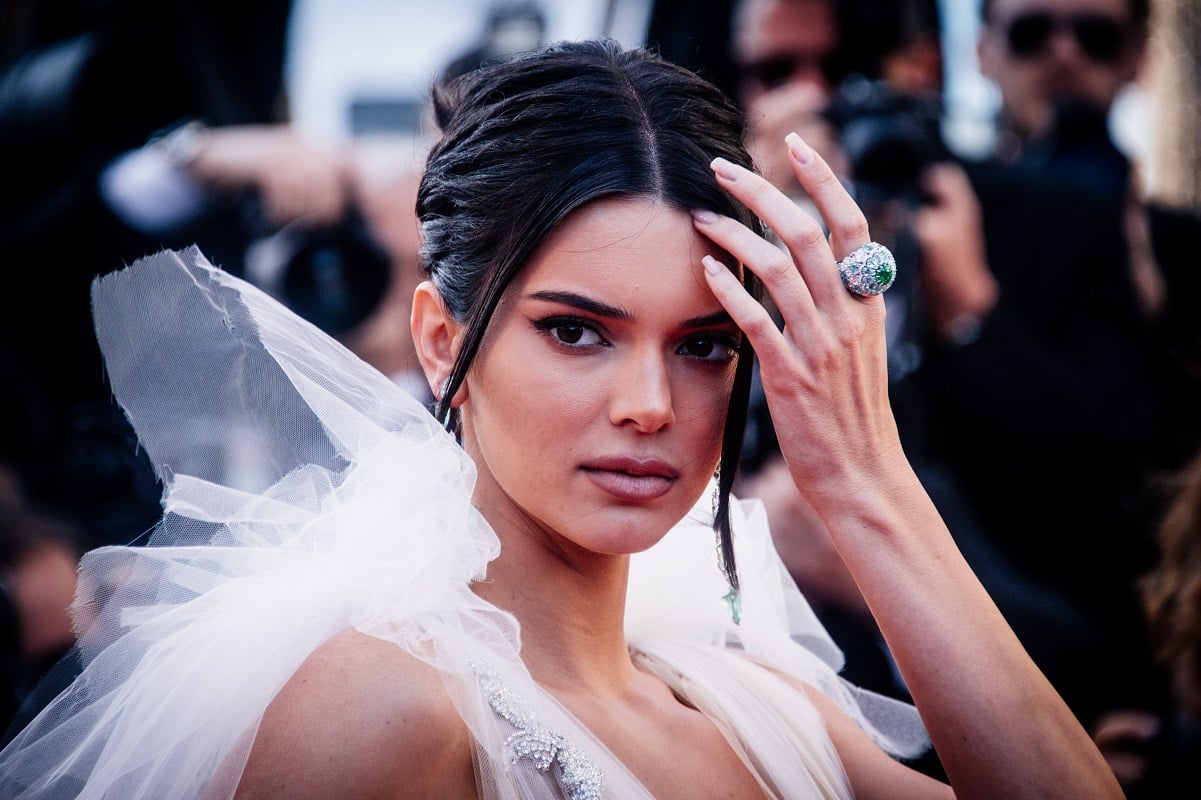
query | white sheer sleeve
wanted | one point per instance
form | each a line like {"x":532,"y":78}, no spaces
{"x":304,"y":494}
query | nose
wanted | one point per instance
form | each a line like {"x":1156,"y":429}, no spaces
{"x":1063,"y":45}
{"x":641,"y":393}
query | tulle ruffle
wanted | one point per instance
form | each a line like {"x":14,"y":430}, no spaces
{"x":307,"y":495}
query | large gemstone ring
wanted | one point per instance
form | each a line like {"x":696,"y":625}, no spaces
{"x":868,"y":270}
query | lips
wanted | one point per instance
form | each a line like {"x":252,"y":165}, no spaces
{"x":631,"y":480}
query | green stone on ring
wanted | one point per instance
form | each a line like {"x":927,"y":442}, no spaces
{"x":868,"y":270}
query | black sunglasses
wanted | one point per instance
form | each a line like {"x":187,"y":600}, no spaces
{"x":771,"y":73}
{"x":1100,"y":37}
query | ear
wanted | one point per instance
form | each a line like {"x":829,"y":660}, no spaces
{"x":436,"y":337}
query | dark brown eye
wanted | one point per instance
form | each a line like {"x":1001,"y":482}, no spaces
{"x":569,"y":334}
{"x":709,"y":348}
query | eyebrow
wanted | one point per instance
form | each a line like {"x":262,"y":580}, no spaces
{"x":600,"y":309}
{"x":584,"y":304}
{"x":716,"y":318}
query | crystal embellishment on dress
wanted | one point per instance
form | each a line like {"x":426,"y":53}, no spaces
{"x":579,"y":778}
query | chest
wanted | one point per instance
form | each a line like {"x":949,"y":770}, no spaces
{"x":681,"y":753}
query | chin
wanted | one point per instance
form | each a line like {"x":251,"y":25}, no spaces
{"x":625,"y":530}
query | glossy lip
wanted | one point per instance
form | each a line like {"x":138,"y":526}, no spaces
{"x":631,"y":480}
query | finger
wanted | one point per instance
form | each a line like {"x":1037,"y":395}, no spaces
{"x":800,"y":233}
{"x":748,"y":314}
{"x":845,"y":220}
{"x":774,"y":267}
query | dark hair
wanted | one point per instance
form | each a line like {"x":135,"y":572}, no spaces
{"x":1171,"y":591}
{"x":1140,"y":12}
{"x":527,"y":141}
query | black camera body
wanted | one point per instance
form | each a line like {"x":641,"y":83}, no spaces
{"x":335,"y":275}
{"x":889,"y":137}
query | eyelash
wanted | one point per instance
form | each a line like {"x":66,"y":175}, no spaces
{"x":551,"y":325}
{"x":720,"y":341}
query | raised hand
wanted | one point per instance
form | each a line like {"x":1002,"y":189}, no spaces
{"x":999,"y":727}
{"x":825,"y":374}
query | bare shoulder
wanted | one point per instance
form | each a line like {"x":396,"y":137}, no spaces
{"x":360,"y":718}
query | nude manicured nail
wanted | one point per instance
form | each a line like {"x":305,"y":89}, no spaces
{"x":802,"y":152}
{"x":724,"y":169}
{"x":704,"y":216}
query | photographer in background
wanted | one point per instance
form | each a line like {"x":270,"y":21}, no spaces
{"x":1037,"y":392}
{"x":126,"y":127}
{"x":794,"y":72}
{"x":1066,"y":399}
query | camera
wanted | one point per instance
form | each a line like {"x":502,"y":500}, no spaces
{"x":889,"y":137}
{"x":334,"y":276}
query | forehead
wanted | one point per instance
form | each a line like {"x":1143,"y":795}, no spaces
{"x":767,"y":28}
{"x":631,"y":248}
{"x":1005,"y":9}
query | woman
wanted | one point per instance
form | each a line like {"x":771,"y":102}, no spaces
{"x":344,"y":618}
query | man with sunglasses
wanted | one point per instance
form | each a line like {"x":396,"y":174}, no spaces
{"x":1076,"y":387}
{"x":1043,"y":54}
{"x":783,"y":54}
{"x":1047,"y":399}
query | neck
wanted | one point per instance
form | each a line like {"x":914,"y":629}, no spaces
{"x":571,"y":607}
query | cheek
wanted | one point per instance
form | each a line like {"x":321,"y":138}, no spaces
{"x":701,"y":408}
{"x":551,"y":401}
{"x":527,"y":408}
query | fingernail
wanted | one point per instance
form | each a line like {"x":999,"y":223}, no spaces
{"x":704,"y":216}
{"x":724,"y":169}
{"x":711,"y":264}
{"x":802,"y":152}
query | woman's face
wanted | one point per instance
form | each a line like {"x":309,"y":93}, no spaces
{"x":594,"y":409}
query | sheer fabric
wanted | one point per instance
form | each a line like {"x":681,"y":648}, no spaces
{"x":306,"y":494}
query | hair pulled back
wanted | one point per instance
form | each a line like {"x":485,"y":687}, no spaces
{"x":527,"y":141}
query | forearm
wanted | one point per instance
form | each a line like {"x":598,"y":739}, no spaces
{"x":999,"y":727}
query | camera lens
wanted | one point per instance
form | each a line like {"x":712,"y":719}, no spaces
{"x":889,"y":138}
{"x":336,"y":277}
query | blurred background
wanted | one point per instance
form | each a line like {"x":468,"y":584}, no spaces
{"x":361,"y":68}
{"x":1044,"y":332}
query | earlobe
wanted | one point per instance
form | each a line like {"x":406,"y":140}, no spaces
{"x":436,"y":336}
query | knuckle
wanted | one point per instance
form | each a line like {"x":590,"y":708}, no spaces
{"x":776,"y":268}
{"x":853,"y":227}
{"x":758,"y":327}
{"x":806,"y":237}
{"x":824,"y":180}
{"x":843,"y":334}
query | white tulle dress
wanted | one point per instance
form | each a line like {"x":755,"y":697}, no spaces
{"x":306,"y":494}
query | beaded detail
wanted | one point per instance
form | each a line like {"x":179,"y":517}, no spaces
{"x":577,"y":776}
